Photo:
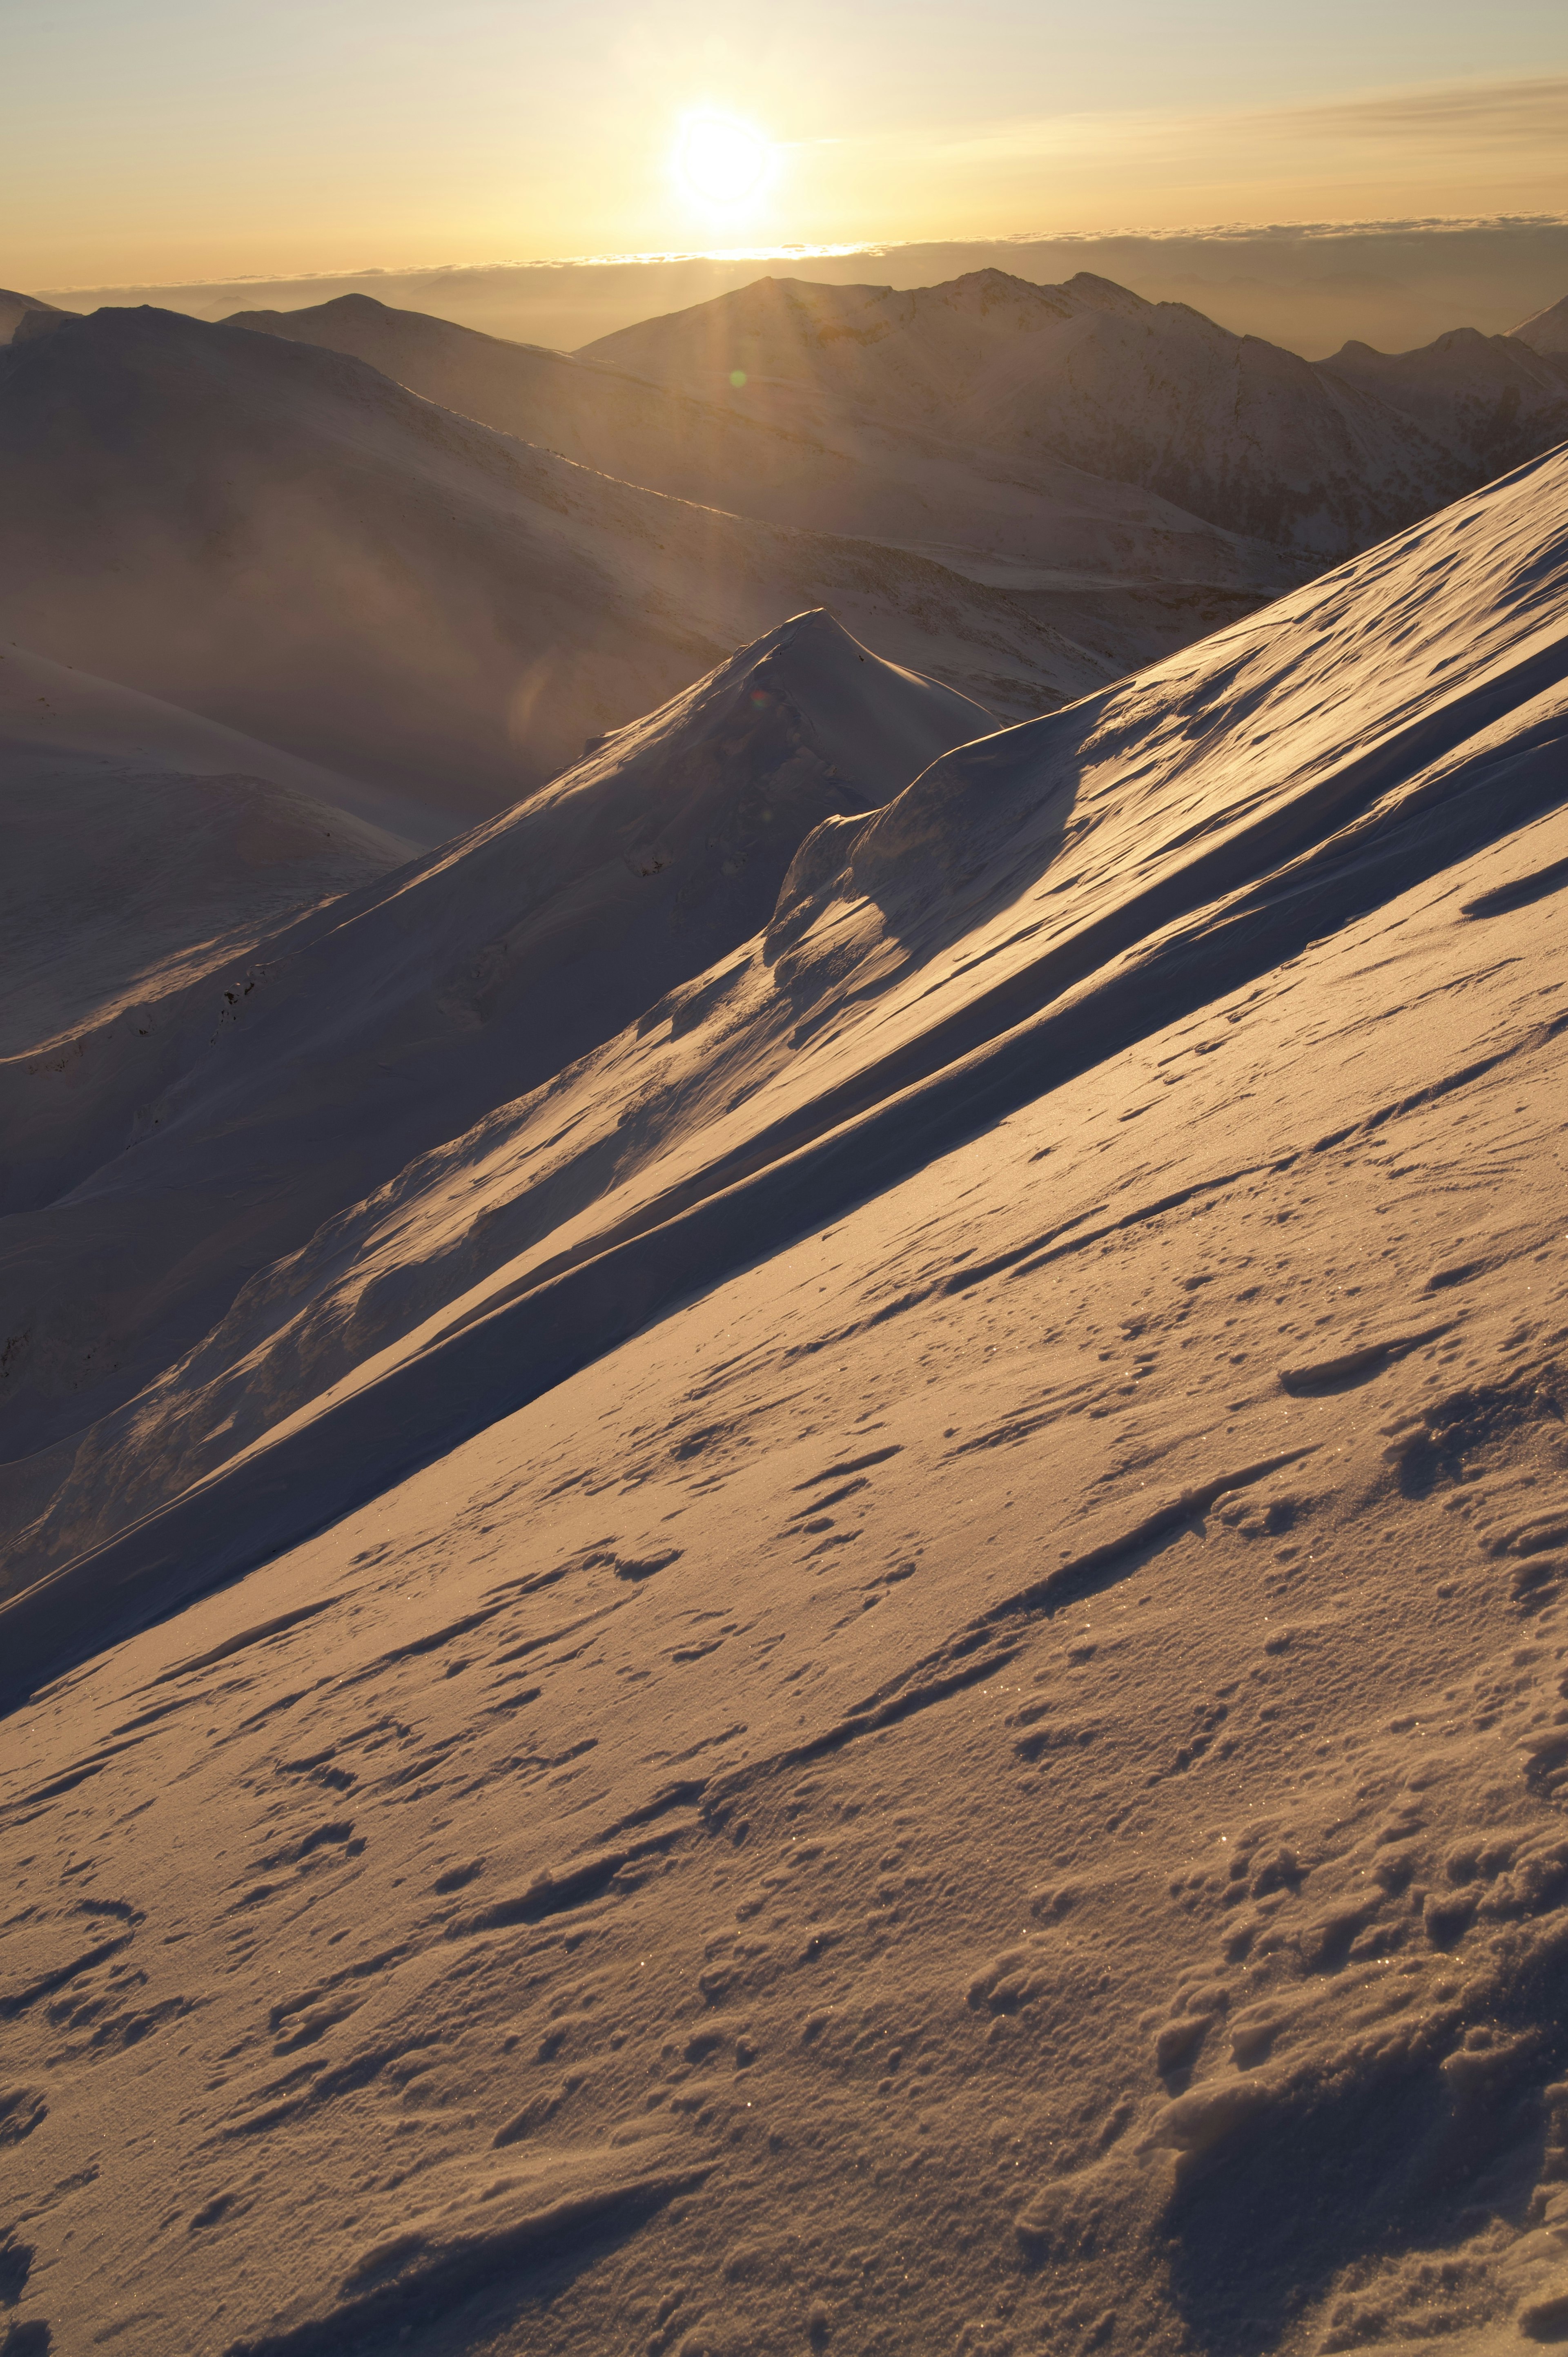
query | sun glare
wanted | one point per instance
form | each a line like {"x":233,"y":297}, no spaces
{"x":720,"y":162}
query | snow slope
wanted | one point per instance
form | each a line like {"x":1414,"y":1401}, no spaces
{"x":160,"y":1158}
{"x":1546,"y":332}
{"x":1487,"y":401}
{"x":1026,"y":902}
{"x":968,"y":1752}
{"x":282,"y":539}
{"x":1228,"y":427}
{"x":141,"y":847}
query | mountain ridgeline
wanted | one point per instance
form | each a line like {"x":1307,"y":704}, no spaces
{"x":1321,"y":457}
{"x":783,"y":1336}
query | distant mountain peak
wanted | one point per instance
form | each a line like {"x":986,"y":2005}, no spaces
{"x":15,"y":308}
{"x":37,"y":322}
{"x":1104,"y":294}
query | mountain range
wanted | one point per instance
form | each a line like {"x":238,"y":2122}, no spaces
{"x":1320,"y":458}
{"x":1121,"y":570}
{"x":285,"y":540}
{"x":1311,"y":287}
{"x":406,"y":551}
{"x":783,"y":1358}
{"x":790,"y":1561}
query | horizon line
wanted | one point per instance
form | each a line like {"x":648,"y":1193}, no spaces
{"x":1430,"y":224}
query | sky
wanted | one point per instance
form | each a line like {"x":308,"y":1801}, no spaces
{"x":164,"y":140}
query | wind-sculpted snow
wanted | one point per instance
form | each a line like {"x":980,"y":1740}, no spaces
{"x":1029,"y":907}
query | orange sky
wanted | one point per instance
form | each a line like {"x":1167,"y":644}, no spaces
{"x":167,"y":139}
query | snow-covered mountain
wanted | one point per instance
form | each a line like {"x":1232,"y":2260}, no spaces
{"x":1486,"y":401}
{"x":1316,"y":458}
{"x":141,"y":846}
{"x":280,"y":538}
{"x":374,"y":1030}
{"x":1070,"y":542}
{"x":1129,"y":471}
{"x":884,"y":1656}
{"x":1228,"y":427}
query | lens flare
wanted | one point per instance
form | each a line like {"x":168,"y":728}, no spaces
{"x":721,"y":162}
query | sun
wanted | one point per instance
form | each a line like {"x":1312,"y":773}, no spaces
{"x":720,"y":162}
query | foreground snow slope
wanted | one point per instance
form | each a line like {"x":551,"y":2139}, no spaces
{"x":1030,"y":906}
{"x":285,"y":540}
{"x":992,"y":1780}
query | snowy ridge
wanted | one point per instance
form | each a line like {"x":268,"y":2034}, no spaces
{"x":1321,"y":459}
{"x":1023,"y":911}
{"x":377,"y":1027}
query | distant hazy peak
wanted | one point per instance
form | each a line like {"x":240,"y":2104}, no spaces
{"x":773,"y":328}
{"x":37,"y":323}
{"x":364,"y":309}
{"x":15,"y":308}
{"x":143,"y":334}
{"x":1104,"y":294}
{"x":1460,"y":355}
